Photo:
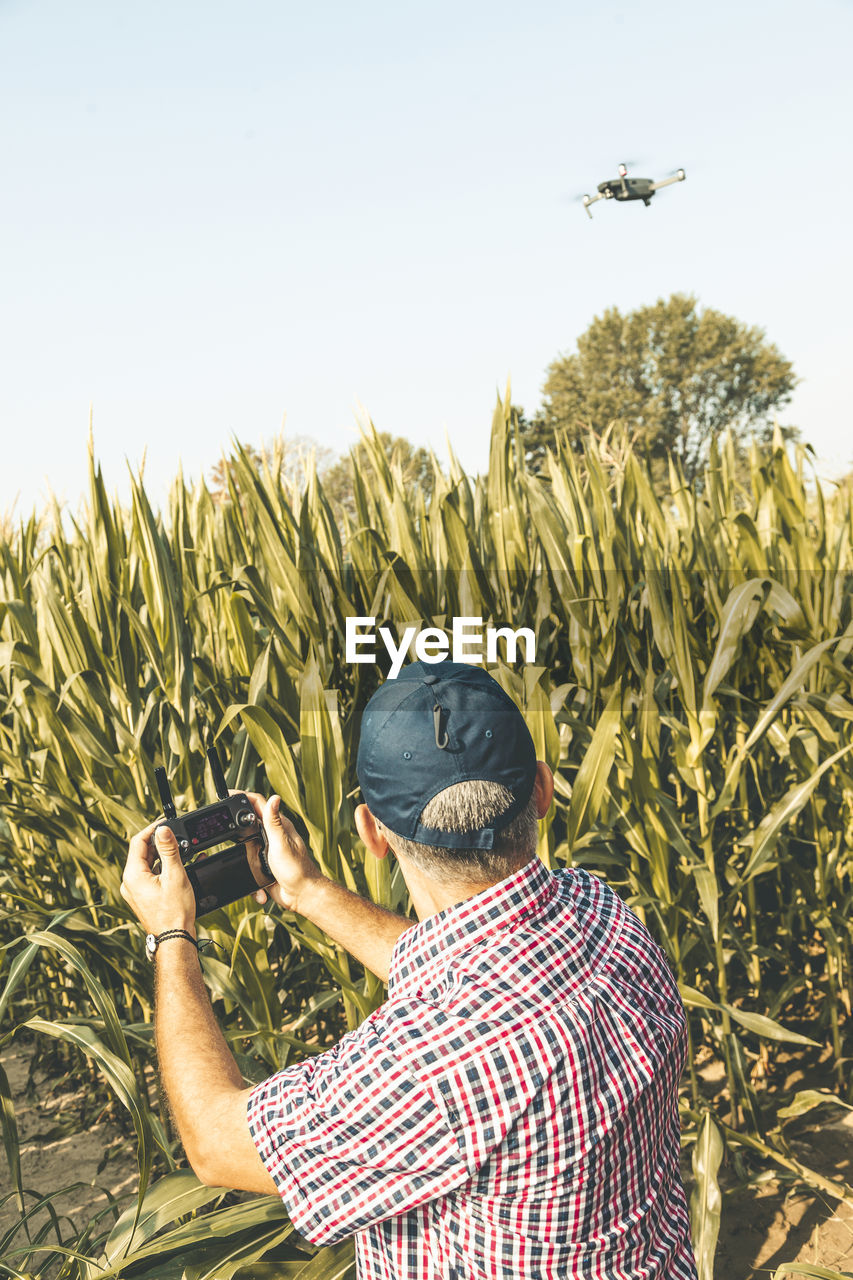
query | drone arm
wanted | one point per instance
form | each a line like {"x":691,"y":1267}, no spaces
{"x":666,"y":182}
{"x":588,"y":200}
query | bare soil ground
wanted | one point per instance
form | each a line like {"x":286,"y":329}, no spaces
{"x":56,"y":1154}
{"x":785,"y":1222}
{"x":762,"y":1227}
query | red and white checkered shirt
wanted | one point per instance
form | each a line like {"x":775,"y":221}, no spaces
{"x":510,"y":1111}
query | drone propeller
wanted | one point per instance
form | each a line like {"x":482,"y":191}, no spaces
{"x":625,"y":188}
{"x":577,"y":198}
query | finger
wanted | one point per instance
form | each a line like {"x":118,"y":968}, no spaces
{"x":139,"y":849}
{"x":278,"y":824}
{"x":272,"y":812}
{"x":260,"y":897}
{"x":274,"y":893}
{"x":139,"y":842}
{"x":126,"y":892}
{"x":241,"y":791}
{"x":256,"y":800}
{"x":170,"y":854}
{"x":147,"y":832}
{"x":283,"y":823}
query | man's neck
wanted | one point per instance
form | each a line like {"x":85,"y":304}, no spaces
{"x":430,"y":896}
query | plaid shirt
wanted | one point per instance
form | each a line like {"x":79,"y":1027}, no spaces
{"x":510,"y":1111}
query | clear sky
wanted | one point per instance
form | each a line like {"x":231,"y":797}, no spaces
{"x":215,"y":214}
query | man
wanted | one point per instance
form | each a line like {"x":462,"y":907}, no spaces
{"x":511,"y":1110}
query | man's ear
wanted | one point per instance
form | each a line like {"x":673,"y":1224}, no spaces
{"x":368,"y":828}
{"x":543,"y":788}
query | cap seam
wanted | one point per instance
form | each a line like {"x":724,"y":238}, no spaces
{"x":394,"y":710}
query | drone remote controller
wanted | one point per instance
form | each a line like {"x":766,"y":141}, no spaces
{"x":232,"y":873}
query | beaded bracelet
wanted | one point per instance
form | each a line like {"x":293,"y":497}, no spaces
{"x":152,"y":941}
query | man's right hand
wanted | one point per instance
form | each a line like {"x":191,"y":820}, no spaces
{"x":289,"y":860}
{"x":367,"y":931}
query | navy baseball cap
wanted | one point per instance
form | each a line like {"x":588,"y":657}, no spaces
{"x":435,"y":725}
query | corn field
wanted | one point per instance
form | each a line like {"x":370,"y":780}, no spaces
{"x":692,"y":690}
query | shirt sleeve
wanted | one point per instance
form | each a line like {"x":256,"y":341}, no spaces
{"x":352,"y":1136}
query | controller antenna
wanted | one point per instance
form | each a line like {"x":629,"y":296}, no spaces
{"x":217,"y":774}
{"x":165,"y":793}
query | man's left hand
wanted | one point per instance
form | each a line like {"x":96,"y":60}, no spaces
{"x":159,"y":901}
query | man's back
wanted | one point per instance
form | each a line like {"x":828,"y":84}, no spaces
{"x":510,"y":1111}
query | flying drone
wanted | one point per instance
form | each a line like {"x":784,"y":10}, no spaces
{"x":625,"y":188}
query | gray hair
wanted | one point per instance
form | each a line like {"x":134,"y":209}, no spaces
{"x":470,"y":806}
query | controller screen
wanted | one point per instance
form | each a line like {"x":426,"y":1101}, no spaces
{"x":216,"y":822}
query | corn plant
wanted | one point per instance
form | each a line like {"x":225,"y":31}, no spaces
{"x":692,"y":690}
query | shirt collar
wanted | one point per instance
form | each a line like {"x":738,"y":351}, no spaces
{"x":422,"y":953}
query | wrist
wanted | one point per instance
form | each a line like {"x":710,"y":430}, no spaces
{"x":169,"y":926}
{"x":305,"y":902}
{"x":175,"y":938}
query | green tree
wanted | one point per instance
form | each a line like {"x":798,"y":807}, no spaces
{"x":674,"y":374}
{"x":291,"y":456}
{"x":414,"y":461}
